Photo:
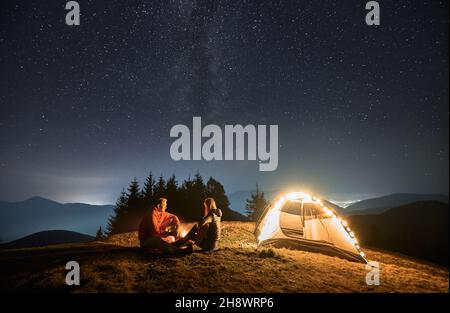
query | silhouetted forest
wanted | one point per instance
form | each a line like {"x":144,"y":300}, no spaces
{"x":184,"y":200}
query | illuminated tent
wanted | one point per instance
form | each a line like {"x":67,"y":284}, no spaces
{"x":300,"y":221}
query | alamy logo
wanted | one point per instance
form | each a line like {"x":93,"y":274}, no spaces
{"x":373,"y":17}
{"x":373,"y":276}
{"x":234,"y":136}
{"x":73,"y":16}
{"x":73,"y":276}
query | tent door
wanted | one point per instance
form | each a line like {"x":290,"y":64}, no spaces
{"x":292,"y":222}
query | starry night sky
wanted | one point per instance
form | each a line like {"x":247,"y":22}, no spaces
{"x":362,"y":111}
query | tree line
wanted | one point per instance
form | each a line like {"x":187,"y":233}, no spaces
{"x":184,"y":200}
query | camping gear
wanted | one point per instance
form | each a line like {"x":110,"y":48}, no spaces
{"x":301,"y":221}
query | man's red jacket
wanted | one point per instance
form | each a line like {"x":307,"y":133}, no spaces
{"x":153,"y":224}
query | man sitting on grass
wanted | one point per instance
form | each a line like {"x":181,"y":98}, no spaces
{"x":158,"y":231}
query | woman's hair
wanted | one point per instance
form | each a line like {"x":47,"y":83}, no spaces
{"x":209,"y":205}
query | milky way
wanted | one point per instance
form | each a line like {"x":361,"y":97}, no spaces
{"x":361,"y":110}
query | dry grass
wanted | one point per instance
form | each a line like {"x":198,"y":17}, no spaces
{"x":118,"y":266}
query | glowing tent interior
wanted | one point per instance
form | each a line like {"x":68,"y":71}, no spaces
{"x":301,"y":221}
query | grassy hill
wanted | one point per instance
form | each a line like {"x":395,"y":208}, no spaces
{"x":118,"y":266}
{"x":45,"y":238}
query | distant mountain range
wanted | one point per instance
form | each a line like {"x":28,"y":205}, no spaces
{"x":419,"y":229}
{"x":19,"y":219}
{"x":382,"y":204}
{"x":238,"y":200}
{"x":368,"y":206}
{"x":49,"y":237}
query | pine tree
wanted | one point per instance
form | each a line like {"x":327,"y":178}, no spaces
{"x":216,"y":190}
{"x":134,"y":195}
{"x":134,"y":209}
{"x":197,"y":195}
{"x":147,"y":192}
{"x":116,"y":219}
{"x":185,"y":200}
{"x":159,"y":190}
{"x":172,"y":195}
{"x":255,"y":205}
{"x":100,"y":235}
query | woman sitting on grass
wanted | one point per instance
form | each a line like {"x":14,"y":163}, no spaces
{"x":206,"y":234}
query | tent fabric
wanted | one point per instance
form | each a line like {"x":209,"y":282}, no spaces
{"x":299,"y":221}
